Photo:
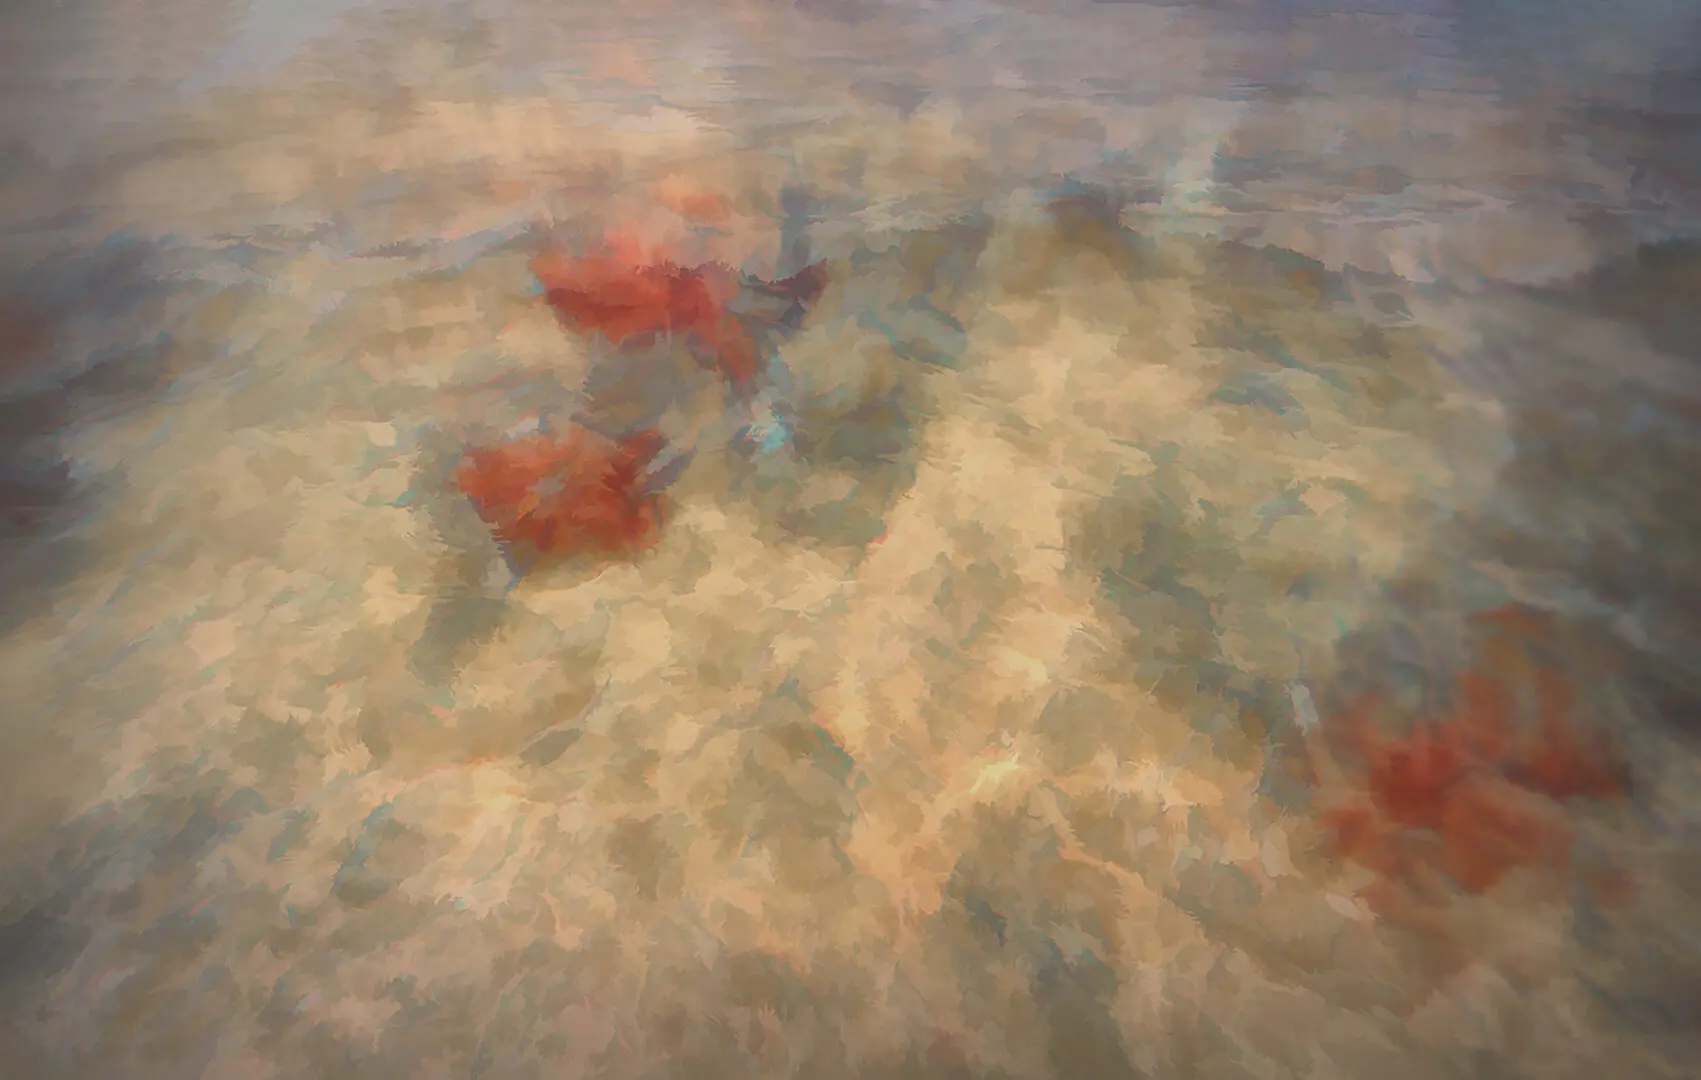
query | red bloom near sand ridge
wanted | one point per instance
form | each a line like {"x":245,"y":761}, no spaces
{"x":566,"y":494}
{"x":626,"y":300}
{"x":582,"y":492}
{"x":1476,"y":793}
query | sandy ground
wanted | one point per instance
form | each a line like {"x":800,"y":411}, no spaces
{"x":952,"y":735}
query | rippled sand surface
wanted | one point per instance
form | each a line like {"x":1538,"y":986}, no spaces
{"x":1183,"y":372}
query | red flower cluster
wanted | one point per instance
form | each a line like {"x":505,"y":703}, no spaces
{"x":627,"y":301}
{"x":1474,"y":794}
{"x":583,"y":492}
{"x":578,"y":492}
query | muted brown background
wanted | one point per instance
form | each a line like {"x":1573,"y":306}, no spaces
{"x":942,"y":743}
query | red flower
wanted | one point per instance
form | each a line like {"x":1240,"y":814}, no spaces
{"x":629,"y":301}
{"x":1474,"y":793}
{"x":577,"y":492}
